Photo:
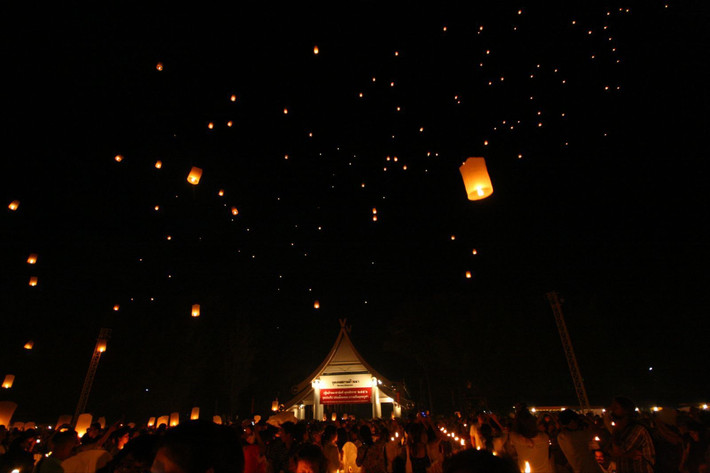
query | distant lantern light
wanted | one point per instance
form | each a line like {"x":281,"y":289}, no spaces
{"x":315,"y":50}
{"x":194,"y":176}
{"x":195,"y":413}
{"x":220,"y":193}
{"x":116,"y":307}
{"x":275,"y":405}
{"x":14,"y":205}
{"x":235,"y":211}
{"x":158,"y":164}
{"x":474,"y":252}
{"x":453,"y":237}
{"x":374,"y":211}
{"x":210,"y":125}
{"x":8,"y":381}
{"x":151,"y":422}
{"x":32,"y":258}
{"x":285,"y":111}
{"x":156,"y":208}
{"x":468,"y":274}
{"x":475,"y":178}
{"x":159,"y":66}
{"x":316,"y":305}
{"x":233,"y":98}
{"x":118,"y":158}
{"x":195,"y":310}
{"x":101,"y":346}
{"x":174,"y":419}
{"x":29,"y":345}
{"x":229,"y":123}
{"x":33,"y":281}
{"x":217,"y":420}
{"x":374,"y":218}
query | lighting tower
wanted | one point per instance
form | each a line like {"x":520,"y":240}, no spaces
{"x":569,"y":351}
{"x":100,"y":347}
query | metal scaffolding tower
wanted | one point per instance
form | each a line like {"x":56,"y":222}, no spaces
{"x":100,"y":347}
{"x":569,"y":351}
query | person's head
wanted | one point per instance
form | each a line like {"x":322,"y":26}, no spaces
{"x":569,"y":419}
{"x":310,"y":459}
{"x":478,"y":461}
{"x":62,"y":444}
{"x":137,"y":456}
{"x":199,"y":447}
{"x":600,"y":458}
{"x":365,"y":435}
{"x":622,"y":409}
{"x":526,"y":424}
{"x":288,"y":430}
{"x":330,"y":435}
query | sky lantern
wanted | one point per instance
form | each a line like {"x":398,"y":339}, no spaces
{"x":275,"y":405}
{"x":83,"y":423}
{"x":316,"y":305}
{"x":195,"y":413}
{"x":474,"y":252}
{"x":151,"y":422}
{"x":285,"y":111}
{"x":315,"y":50}
{"x":174,"y":419}
{"x":101,"y":346}
{"x":468,"y":274}
{"x":7,"y":382}
{"x":33,"y":281}
{"x":118,"y":158}
{"x":217,"y":420}
{"x":221,"y":192}
{"x":195,"y":310}
{"x":29,"y":345}
{"x":235,"y":211}
{"x":210,"y":125}
{"x":158,"y":164}
{"x":159,"y":66}
{"x":194,"y":176}
{"x":233,"y":98}
{"x":32,"y":258}
{"x":14,"y":205}
{"x":476,"y":179}
{"x":7,"y":409}
{"x":163,"y":420}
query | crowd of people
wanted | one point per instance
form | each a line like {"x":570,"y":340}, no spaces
{"x":622,"y":440}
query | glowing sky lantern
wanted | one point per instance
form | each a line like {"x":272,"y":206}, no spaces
{"x":195,"y":413}
{"x":195,"y":310}
{"x":285,"y":111}
{"x":14,"y":205}
{"x":158,"y":164}
{"x":33,"y":281}
{"x":116,"y":307}
{"x":162,"y":420}
{"x":101,"y":346}
{"x":476,"y":179}
{"x":316,"y":305}
{"x":210,"y":125}
{"x":118,"y":158}
{"x":315,"y":50}
{"x":9,"y":379}
{"x":32,"y":258}
{"x":159,"y":66}
{"x":151,"y":422}
{"x":217,"y":420}
{"x":275,"y":405}
{"x":29,"y":345}
{"x":235,"y":211}
{"x":7,"y":409}
{"x":233,"y":98}
{"x":174,"y":419}
{"x":468,"y":274}
{"x":221,"y":192}
{"x":194,"y":176}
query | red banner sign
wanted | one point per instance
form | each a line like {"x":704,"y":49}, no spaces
{"x":346,"y":396}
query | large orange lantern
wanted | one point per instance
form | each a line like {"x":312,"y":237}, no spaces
{"x":29,"y":345}
{"x":194,"y":176}
{"x":9,"y":379}
{"x":83,"y":423}
{"x":33,"y":281}
{"x":32,"y":258}
{"x":174,"y":419}
{"x":7,"y":409}
{"x":14,"y":205}
{"x":195,"y":413}
{"x":151,"y":422}
{"x":476,"y":179}
{"x":195,"y":310}
{"x":162,"y":420}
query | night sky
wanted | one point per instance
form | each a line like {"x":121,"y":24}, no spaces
{"x":593,"y":121}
